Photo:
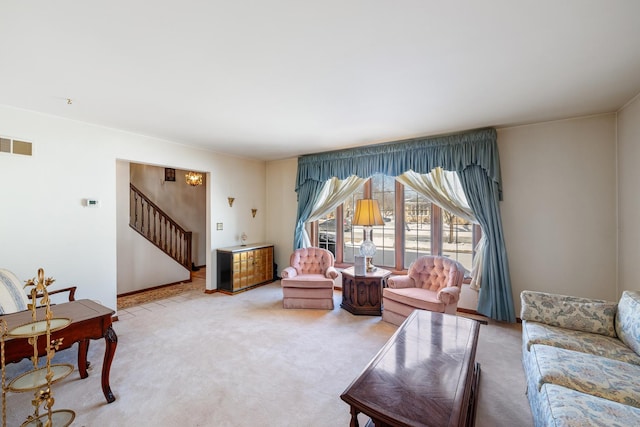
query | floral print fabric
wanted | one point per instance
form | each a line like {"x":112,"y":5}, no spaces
{"x":579,"y":314}
{"x":599,"y":345}
{"x":628,"y":320}
{"x":594,"y":375}
{"x":561,"y":407}
{"x":580,"y":371}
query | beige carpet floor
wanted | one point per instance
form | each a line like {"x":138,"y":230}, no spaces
{"x":198,"y":359}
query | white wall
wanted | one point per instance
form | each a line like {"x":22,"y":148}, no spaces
{"x":629,"y":196}
{"x":43,"y":222}
{"x":282,"y":205}
{"x":559,"y":208}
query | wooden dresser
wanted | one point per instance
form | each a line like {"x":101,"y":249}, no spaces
{"x":244,"y":267}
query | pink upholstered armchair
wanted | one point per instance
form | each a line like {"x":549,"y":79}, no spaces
{"x":432,"y":283}
{"x":308,"y":281}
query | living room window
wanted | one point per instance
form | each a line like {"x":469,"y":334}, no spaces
{"x":413,"y":227}
{"x":418,"y":217}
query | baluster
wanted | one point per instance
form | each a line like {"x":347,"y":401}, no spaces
{"x":154,"y":228}
{"x":163,"y":232}
{"x":142,"y":216}
{"x":135,"y":210}
{"x":148,"y":230}
{"x":172,"y":250}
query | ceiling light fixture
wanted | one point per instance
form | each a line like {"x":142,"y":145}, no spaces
{"x":193,"y":178}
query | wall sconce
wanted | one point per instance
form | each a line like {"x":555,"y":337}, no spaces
{"x":230,"y":199}
{"x":194,"y":178}
{"x":254,"y":212}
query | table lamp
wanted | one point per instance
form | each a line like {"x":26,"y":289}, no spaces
{"x":367,"y":214}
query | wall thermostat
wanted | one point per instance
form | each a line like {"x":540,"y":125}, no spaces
{"x":91,"y":203}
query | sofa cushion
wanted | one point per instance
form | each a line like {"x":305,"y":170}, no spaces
{"x":563,"y":407}
{"x":586,"y":373}
{"x":600,"y":345}
{"x":580,"y":314}
{"x":628,"y":320}
{"x":415,"y":298}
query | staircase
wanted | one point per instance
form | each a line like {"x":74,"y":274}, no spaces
{"x":158,"y":228}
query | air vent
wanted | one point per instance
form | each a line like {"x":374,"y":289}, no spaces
{"x":8,"y":145}
{"x":5,"y":145}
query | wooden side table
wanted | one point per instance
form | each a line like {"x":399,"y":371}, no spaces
{"x":363,"y":294}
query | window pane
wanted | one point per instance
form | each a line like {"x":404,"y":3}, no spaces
{"x":457,"y":239}
{"x":417,"y":232}
{"x":327,"y":232}
{"x":351,"y":241}
{"x":383,"y":190}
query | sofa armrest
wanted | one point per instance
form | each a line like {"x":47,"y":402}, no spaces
{"x":449,"y":295}
{"x":399,"y":282}
{"x":288,"y":273}
{"x":579,"y":314}
{"x":331,"y":273}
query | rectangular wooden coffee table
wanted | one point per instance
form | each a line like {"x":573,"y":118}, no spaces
{"x":89,"y":320}
{"x":425,"y":375}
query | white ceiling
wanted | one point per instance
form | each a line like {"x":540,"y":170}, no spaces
{"x":274,"y":79}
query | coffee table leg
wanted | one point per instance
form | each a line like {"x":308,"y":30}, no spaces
{"x":83,"y":350}
{"x":111,"y":342}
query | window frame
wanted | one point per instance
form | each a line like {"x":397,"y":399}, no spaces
{"x":399,"y":228}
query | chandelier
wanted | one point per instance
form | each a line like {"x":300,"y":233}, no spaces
{"x":194,"y":178}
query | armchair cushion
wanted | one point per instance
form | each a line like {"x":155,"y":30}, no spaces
{"x":311,"y":260}
{"x":423,"y":299}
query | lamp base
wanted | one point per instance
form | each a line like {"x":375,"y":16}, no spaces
{"x":368,"y":250}
{"x":370,"y":266}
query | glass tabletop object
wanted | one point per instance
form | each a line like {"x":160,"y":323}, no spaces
{"x":59,"y":418}
{"x":37,"y":378}
{"x":39,"y":327}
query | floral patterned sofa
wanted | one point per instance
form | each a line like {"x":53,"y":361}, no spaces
{"x":581,"y":359}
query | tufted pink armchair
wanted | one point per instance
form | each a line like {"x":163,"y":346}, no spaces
{"x":308,"y":281}
{"x":432,"y":283}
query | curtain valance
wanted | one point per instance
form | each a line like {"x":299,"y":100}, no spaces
{"x":450,"y":152}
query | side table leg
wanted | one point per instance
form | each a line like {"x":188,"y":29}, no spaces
{"x":111,"y":342}
{"x":83,"y":350}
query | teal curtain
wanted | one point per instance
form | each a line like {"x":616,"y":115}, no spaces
{"x":495,"y":299}
{"x":451,"y":152}
{"x":308,"y":195}
{"x":473,"y":154}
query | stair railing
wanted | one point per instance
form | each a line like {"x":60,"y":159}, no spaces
{"x":159,"y":228}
